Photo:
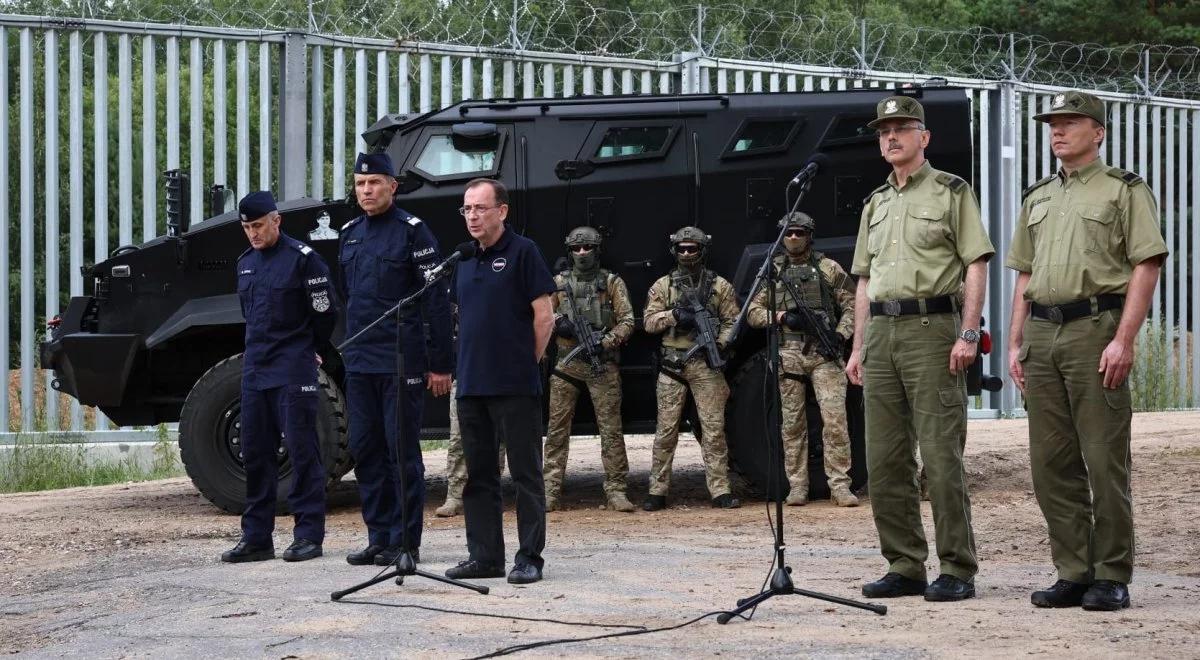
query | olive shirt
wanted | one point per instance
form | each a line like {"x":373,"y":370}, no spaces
{"x":1080,"y":235}
{"x":916,"y":241}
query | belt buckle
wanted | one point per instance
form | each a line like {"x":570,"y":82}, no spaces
{"x":1054,"y":313}
{"x":891,"y":307}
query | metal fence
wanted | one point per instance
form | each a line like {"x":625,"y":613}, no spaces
{"x":284,"y":110}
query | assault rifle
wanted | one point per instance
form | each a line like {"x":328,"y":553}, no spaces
{"x":818,"y":325}
{"x":589,"y":339}
{"x":707,"y":330}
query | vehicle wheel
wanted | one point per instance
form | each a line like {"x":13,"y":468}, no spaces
{"x":746,"y":433}
{"x":209,"y":437}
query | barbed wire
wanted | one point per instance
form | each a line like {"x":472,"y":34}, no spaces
{"x":725,"y":31}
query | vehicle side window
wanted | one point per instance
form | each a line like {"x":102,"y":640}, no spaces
{"x":441,"y":157}
{"x":633,"y":141}
{"x":762,"y":136}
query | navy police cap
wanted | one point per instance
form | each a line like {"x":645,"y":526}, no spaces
{"x":256,"y":205}
{"x":374,"y":164}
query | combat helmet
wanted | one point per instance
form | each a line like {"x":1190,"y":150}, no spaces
{"x":588,"y":262}
{"x":690,"y":235}
{"x":798,"y":219}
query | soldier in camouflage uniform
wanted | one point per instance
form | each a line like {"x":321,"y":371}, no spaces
{"x":665,"y":315}
{"x":603,"y":300}
{"x":456,"y":465}
{"x":826,"y":290}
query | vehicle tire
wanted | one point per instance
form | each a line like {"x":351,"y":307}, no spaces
{"x":746,"y":433}
{"x":209,"y":425}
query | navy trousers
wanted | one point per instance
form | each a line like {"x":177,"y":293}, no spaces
{"x":371,"y":399}
{"x":290,"y":412}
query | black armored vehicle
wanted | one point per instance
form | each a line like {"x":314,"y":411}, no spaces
{"x":159,"y":337}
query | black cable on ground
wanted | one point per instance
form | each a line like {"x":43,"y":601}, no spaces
{"x":583,"y":624}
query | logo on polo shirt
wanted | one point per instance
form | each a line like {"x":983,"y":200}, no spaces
{"x":498,"y":264}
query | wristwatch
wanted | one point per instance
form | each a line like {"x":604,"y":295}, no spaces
{"x":969,"y":335}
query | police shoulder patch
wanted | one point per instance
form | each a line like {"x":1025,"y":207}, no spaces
{"x":951,"y":181}
{"x":875,"y":192}
{"x":1037,"y":184}
{"x":1130,"y":178}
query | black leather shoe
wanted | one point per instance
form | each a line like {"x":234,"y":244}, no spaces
{"x":949,"y":588}
{"x":894,"y":585}
{"x":388,"y":556}
{"x":726,"y":501}
{"x":302,"y":550}
{"x":244,"y":551}
{"x":366,"y":556}
{"x":1064,"y":593}
{"x":524,"y":574}
{"x":474,"y":570}
{"x":1106,"y":596}
{"x":654,"y":503}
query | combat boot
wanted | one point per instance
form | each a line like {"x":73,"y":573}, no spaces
{"x":552,"y":503}
{"x":726,"y":501}
{"x":451,"y":508}
{"x":797,"y":497}
{"x":654,"y":503}
{"x":618,"y":502}
{"x":842,"y":496}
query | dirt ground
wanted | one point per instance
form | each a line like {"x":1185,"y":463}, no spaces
{"x":133,"y":570}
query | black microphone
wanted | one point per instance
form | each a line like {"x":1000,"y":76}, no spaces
{"x":463,"y":251}
{"x":814,"y":164}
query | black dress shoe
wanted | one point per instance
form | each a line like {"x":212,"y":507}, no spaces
{"x":654,"y":503}
{"x":894,"y":585}
{"x":473,"y":570}
{"x":1064,"y":593}
{"x":949,"y":588}
{"x":524,"y":574}
{"x":366,"y":556}
{"x":245,"y":551}
{"x":388,"y":556}
{"x":1106,"y":596}
{"x":726,"y":501}
{"x":302,"y":550}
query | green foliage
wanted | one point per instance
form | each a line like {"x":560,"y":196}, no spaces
{"x":30,"y":466}
{"x":1153,"y":386}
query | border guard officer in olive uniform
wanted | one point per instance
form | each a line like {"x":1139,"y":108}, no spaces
{"x":666,"y":315}
{"x":1088,"y":250}
{"x":920,"y":235}
{"x":384,"y":255}
{"x":602,"y":299}
{"x":284,"y":290}
{"x":825,"y":290}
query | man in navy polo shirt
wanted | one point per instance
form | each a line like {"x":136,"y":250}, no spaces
{"x":505,"y":320}
{"x":383,"y":256}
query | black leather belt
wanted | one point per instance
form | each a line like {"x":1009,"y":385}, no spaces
{"x":938,"y":305}
{"x":1078,"y":309}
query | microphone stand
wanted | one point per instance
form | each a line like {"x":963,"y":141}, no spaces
{"x":781,"y":578}
{"x":404,"y":564}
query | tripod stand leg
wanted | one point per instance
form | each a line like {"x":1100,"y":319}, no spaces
{"x":744,"y":605}
{"x":337,"y":595}
{"x":442,"y":578}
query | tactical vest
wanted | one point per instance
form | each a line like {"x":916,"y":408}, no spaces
{"x":592,"y":299}
{"x":807,"y":281}
{"x":680,"y":283}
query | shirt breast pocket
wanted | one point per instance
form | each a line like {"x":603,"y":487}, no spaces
{"x":876,"y":231}
{"x":245,"y":289}
{"x":287,"y":305}
{"x":1098,"y":223}
{"x":927,"y":227}
{"x":393,"y":277}
{"x":1034,"y":224}
{"x":351,"y":271}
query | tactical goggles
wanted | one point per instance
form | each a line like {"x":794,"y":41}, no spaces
{"x":582,"y":249}
{"x":687,"y":249}
{"x":796,"y":233}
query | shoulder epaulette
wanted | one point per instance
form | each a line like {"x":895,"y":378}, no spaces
{"x":304,"y":249}
{"x":875,"y":192}
{"x":1130,"y":178}
{"x":1037,"y":184}
{"x":414,"y":220}
{"x":351,"y":223}
{"x":951,"y":181}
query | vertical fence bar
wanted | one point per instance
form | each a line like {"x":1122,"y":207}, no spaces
{"x":28,"y":195}
{"x":1004,"y":127}
{"x":149,"y":141}
{"x":606,"y":84}
{"x":647,"y":82}
{"x":293,"y":117}
{"x":1195,"y":265}
{"x":264,"y":116}
{"x":568,"y":81}
{"x":509,"y":83}
{"x":527,"y":81}
{"x":51,"y":187}
{"x":196,"y":122}
{"x":242,"y":120}
{"x":339,"y":124}
{"x":360,"y":99}
{"x":316,"y":115}
{"x":381,"y":83}
{"x":1187,"y":288}
{"x":1130,"y":123}
{"x":664,"y":82}
{"x":124,"y":141}
{"x":447,"y":83}
{"x":487,"y":85}
{"x":1031,"y":135}
{"x":467,"y":78}
{"x":548,"y":80}
{"x":172,"y":128}
{"x":1168,"y":214}
{"x":220,"y":116}
{"x":1114,"y":137}
{"x":791,"y":83}
{"x":1044,"y":141}
{"x":739,"y":82}
{"x":722,"y":81}
{"x":756,"y":81}
{"x":5,"y":225}
{"x":99,"y":165}
{"x":403,"y":91}
{"x":426,"y":83}
{"x":993,"y":225}
{"x":1154,"y":142}
{"x":627,"y":82}
{"x":75,"y":150}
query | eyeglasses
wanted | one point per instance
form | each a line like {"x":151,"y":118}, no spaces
{"x":581,"y":249}
{"x":897,"y":131}
{"x":468,"y":210}
{"x":796,"y":233}
{"x":687,"y":249}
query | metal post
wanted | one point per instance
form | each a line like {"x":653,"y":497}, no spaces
{"x":1004,"y":199}
{"x":293,"y":112}
{"x":75,"y":260}
{"x":149,"y":141}
{"x":27,"y":225}
{"x":53,"y":240}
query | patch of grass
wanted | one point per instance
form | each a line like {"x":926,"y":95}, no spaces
{"x":32,"y":466}
{"x":1152,"y":384}
{"x":430,"y":445}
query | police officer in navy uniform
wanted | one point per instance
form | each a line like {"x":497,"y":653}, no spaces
{"x":383,"y":255}
{"x":284,"y":289}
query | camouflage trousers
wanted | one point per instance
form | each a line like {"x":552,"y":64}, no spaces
{"x":605,"y":391}
{"x":456,"y":465}
{"x":710,"y":392}
{"x":829,"y":384}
